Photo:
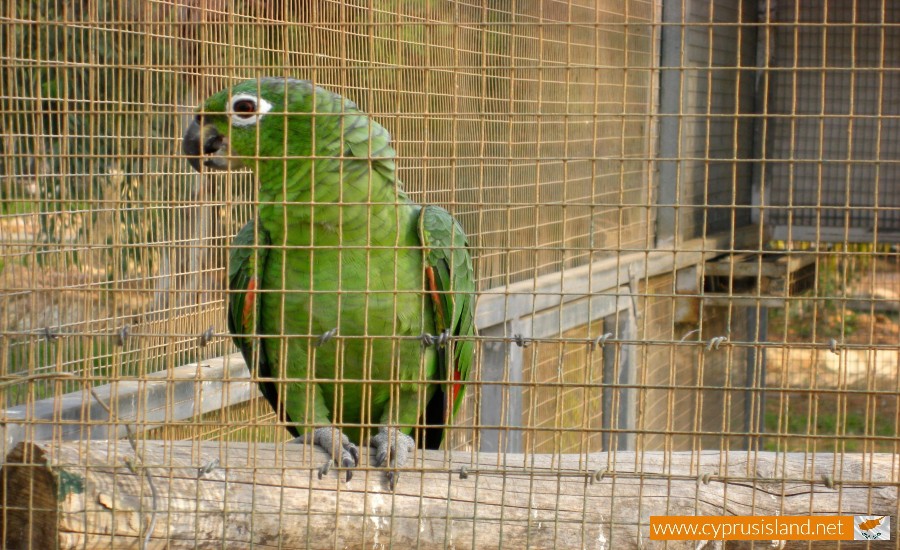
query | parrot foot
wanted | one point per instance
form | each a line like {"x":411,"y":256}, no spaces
{"x":392,"y":447}
{"x":346,"y":454}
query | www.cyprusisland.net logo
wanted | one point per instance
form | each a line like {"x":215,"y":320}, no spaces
{"x":871,"y":527}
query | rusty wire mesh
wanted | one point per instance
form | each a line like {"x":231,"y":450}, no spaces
{"x":683,"y":216}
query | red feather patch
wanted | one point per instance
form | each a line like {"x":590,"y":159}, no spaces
{"x":249,"y":301}
{"x":435,"y":298}
{"x":442,"y":324}
{"x":456,"y":387}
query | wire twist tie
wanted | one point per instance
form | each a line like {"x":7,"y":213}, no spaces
{"x":207,"y":468}
{"x":715,"y":342}
{"x":122,"y":336}
{"x":324,"y":338}
{"x":600,"y":341}
{"x":436,"y":341}
{"x":204,"y":338}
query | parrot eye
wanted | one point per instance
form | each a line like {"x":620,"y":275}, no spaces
{"x":247,"y":109}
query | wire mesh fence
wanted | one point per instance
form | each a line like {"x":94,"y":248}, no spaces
{"x":682,"y":222}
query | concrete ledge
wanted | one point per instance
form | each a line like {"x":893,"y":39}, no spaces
{"x":158,"y":398}
{"x":606,"y":277}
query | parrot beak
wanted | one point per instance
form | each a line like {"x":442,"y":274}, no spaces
{"x":204,"y":144}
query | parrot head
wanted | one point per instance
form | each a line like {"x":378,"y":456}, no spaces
{"x":247,"y":122}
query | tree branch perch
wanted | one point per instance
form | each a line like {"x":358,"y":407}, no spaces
{"x":80,"y":494}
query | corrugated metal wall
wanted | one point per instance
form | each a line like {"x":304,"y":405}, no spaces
{"x":833,"y":126}
{"x":707,"y":102}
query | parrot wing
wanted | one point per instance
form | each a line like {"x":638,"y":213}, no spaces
{"x":249,"y":251}
{"x":366,"y":139}
{"x":450,"y":282}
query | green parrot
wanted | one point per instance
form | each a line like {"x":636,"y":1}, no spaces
{"x":337,"y":247}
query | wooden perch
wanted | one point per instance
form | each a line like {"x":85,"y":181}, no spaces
{"x":83,"y":494}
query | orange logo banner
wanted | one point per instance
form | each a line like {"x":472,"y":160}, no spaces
{"x":751,"y":528}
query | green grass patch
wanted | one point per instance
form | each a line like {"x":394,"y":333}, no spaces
{"x":831,"y":424}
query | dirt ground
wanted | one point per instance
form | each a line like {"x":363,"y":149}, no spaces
{"x":843,"y":401}
{"x":849,"y":319}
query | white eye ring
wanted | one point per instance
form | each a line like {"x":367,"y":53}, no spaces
{"x":242,"y":118}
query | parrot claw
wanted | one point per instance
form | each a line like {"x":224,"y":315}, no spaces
{"x":393,"y":478}
{"x":392,"y":448}
{"x":345,"y":453}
